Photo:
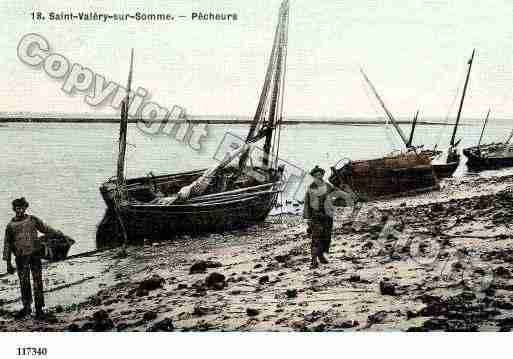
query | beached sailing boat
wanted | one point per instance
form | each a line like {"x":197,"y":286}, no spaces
{"x":392,"y":175}
{"x":489,"y":156}
{"x":445,"y":167}
{"x":442,"y":168}
{"x":224,"y":197}
{"x":444,"y":163}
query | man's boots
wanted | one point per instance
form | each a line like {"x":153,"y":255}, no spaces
{"x":323,"y":259}
{"x":314,"y":263}
{"x":27,"y":310}
{"x":40,"y":314}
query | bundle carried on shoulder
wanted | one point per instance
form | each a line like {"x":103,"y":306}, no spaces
{"x":55,"y":247}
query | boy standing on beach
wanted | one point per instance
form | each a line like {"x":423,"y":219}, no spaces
{"x":21,"y":239}
{"x":320,"y":223}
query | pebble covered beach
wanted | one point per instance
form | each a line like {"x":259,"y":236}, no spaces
{"x":441,"y":261}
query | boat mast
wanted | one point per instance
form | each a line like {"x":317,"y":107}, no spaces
{"x":462,"y":99}
{"x":389,"y":115}
{"x":269,"y":110}
{"x":266,"y":85}
{"x":410,"y":140}
{"x":272,"y":111}
{"x":484,"y":126}
{"x":277,"y":95}
{"x":285,"y":37}
{"x":123,"y":126}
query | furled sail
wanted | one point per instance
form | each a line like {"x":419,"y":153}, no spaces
{"x":199,"y":186}
{"x":267,"y":120}
{"x":268,"y":115}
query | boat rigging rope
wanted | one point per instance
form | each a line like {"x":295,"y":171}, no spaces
{"x":391,"y":138}
{"x":282,"y":93}
{"x":451,"y":107}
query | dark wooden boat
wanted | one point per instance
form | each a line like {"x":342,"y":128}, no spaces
{"x":226,"y":197}
{"x":492,"y":156}
{"x":144,"y":217}
{"x":445,"y":170}
{"x":489,"y":156}
{"x":406,"y":173}
{"x":393,"y":175}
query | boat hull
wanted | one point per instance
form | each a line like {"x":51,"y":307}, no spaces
{"x":164,"y":222}
{"x":387,"y":177}
{"x":476,"y":161}
{"x":217,"y":212}
{"x":445,"y":170}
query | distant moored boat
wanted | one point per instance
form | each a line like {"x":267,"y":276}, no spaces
{"x":489,"y":156}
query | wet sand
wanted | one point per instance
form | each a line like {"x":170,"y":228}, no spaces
{"x":449,"y":270}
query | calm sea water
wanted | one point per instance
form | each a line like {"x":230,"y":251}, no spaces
{"x":59,"y":167}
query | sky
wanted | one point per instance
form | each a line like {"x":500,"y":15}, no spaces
{"x":415,"y":52}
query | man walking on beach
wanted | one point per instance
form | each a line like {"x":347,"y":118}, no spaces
{"x":320,"y":223}
{"x":22,"y":240}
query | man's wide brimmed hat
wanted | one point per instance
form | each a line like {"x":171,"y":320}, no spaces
{"x":317,"y":170}
{"x":20,"y":202}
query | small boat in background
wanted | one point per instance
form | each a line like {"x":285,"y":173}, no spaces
{"x":396,"y":174}
{"x":489,"y":156}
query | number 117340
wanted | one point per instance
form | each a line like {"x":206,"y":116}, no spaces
{"x":31,"y":351}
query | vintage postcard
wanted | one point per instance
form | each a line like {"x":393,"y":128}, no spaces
{"x":272,"y":166}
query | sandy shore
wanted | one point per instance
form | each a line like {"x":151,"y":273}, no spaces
{"x":449,"y":269}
